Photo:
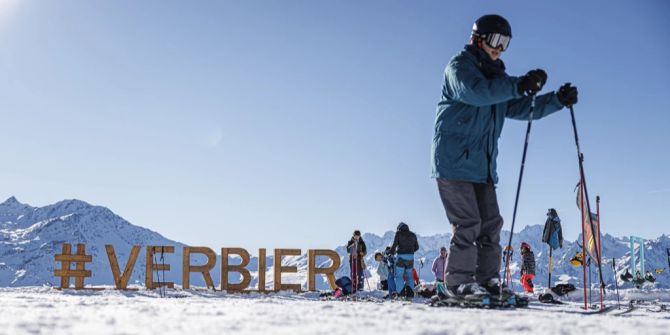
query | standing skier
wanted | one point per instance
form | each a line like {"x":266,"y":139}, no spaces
{"x":477,"y":96}
{"x":405,"y":245}
{"x":439,"y":265}
{"x":357,"y":251}
{"x":527,"y":267}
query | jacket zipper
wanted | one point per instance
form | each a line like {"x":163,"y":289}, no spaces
{"x":489,"y":152}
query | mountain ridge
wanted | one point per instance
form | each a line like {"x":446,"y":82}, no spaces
{"x":30,"y":236}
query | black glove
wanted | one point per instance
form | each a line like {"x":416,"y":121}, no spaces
{"x":567,"y":95}
{"x":532,"y":82}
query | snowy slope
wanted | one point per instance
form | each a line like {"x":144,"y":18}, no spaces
{"x":30,"y":236}
{"x":207,"y":312}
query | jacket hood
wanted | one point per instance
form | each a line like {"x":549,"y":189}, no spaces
{"x":403,"y":227}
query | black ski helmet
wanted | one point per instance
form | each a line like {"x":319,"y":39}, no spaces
{"x":491,"y":23}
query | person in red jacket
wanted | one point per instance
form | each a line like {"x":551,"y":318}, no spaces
{"x":527,"y":267}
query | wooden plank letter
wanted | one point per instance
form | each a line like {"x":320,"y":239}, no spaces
{"x":241,"y":268}
{"x":151,"y":267}
{"x":279,"y":269}
{"x":121,"y":280}
{"x":80,"y":260}
{"x":65,"y":265}
{"x":312,"y":270}
{"x":187,"y":268}
{"x":261,"y":270}
{"x":79,"y":266}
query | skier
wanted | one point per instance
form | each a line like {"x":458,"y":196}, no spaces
{"x":439,"y":265}
{"x":382,"y":271}
{"x":404,"y":245}
{"x":477,"y":96}
{"x":527,"y":267}
{"x":357,"y":251}
{"x":389,"y":260}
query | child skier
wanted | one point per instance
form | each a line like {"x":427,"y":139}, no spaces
{"x":405,"y":245}
{"x":382,"y":271}
{"x":439,"y":265}
{"x":527,"y":267}
{"x":477,"y":96}
{"x":357,"y":251}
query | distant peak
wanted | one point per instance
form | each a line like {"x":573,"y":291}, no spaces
{"x":11,"y":201}
{"x":72,"y":203}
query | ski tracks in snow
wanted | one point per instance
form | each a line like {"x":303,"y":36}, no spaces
{"x":33,"y":310}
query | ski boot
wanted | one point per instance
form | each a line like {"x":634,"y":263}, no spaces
{"x":464,"y":295}
{"x":503,"y":296}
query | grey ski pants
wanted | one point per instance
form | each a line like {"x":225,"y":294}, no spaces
{"x":474,"y":251}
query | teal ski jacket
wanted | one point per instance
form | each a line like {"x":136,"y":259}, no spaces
{"x":470,"y":117}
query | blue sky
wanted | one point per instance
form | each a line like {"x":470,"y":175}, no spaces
{"x":292,"y":123}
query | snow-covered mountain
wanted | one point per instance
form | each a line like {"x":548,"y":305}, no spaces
{"x":30,"y":236}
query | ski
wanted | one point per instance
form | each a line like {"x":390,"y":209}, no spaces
{"x":475,"y":302}
{"x":627,"y":310}
{"x":661,"y":308}
{"x":581,"y":311}
{"x":465,"y":302}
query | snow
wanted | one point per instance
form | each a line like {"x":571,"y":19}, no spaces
{"x":205,"y":312}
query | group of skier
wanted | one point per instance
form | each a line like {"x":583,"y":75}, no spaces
{"x":396,"y":264}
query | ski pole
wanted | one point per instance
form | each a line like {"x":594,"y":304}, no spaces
{"x":363,"y":267}
{"x":550,"y":266}
{"x":518,"y":187}
{"x":157,"y":274}
{"x":616,"y":283}
{"x":164,"y":288}
{"x":355,"y":266}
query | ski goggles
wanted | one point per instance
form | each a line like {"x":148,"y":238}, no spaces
{"x":495,"y":40}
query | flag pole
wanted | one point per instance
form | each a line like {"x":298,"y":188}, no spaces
{"x":581,"y":191}
{"x":585,"y":194}
{"x":599,"y":246}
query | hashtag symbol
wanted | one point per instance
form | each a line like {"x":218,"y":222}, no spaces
{"x":80,"y":260}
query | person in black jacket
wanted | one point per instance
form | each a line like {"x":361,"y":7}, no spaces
{"x":405,"y":245}
{"x":357,"y":250}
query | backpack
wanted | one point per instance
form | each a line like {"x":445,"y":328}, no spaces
{"x":563,"y":289}
{"x":345,"y":284}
